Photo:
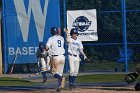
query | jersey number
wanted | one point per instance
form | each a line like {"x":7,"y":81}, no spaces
{"x":59,"y":43}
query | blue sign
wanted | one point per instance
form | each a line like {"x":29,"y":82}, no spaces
{"x":26,"y":23}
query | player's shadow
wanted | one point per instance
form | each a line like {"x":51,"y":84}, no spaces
{"x":116,"y":89}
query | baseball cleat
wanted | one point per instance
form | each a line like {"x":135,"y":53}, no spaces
{"x":44,"y":80}
{"x":72,"y":86}
{"x":59,"y":89}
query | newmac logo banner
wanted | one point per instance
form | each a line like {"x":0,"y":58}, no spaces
{"x":86,"y":23}
{"x":28,"y":22}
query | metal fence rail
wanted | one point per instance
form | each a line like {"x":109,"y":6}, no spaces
{"x":117,"y":27}
{"x":118,"y":30}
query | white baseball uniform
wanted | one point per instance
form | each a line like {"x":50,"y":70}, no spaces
{"x":74,"y":47}
{"x":43,"y":60}
{"x":57,"y":51}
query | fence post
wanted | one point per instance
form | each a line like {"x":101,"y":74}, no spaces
{"x":66,"y":47}
{"x":4,"y":38}
{"x":0,"y":51}
{"x":124,"y":33}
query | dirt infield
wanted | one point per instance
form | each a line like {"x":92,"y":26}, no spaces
{"x":77,"y":90}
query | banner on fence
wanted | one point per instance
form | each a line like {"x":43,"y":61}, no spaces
{"x":86,"y":23}
{"x":26,"y":23}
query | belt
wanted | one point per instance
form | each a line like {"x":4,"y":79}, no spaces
{"x":72,"y":55}
{"x":56,"y":55}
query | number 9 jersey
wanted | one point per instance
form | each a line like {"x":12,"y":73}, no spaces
{"x":56,"y":45}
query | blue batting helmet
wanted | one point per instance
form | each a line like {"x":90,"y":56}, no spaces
{"x":54,"y":30}
{"x":42,"y":46}
{"x":73,"y":31}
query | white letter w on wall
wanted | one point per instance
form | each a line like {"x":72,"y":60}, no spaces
{"x":24,"y":18}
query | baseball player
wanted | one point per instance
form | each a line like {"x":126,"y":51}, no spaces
{"x":55,"y":45}
{"x":43,"y":60}
{"x":75,"y":48}
{"x":132,"y":77}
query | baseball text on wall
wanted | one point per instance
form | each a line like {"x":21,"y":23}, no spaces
{"x":26,"y":23}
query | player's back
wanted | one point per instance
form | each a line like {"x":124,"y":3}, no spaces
{"x":56,"y":45}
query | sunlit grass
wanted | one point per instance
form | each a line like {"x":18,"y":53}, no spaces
{"x":102,"y":78}
{"x":9,"y":81}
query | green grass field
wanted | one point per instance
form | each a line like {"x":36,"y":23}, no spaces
{"x":108,"y":65}
{"x":9,"y":81}
{"x":95,"y":78}
{"x":101,"y":78}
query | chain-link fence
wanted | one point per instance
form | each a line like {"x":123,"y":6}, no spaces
{"x":107,"y":53}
